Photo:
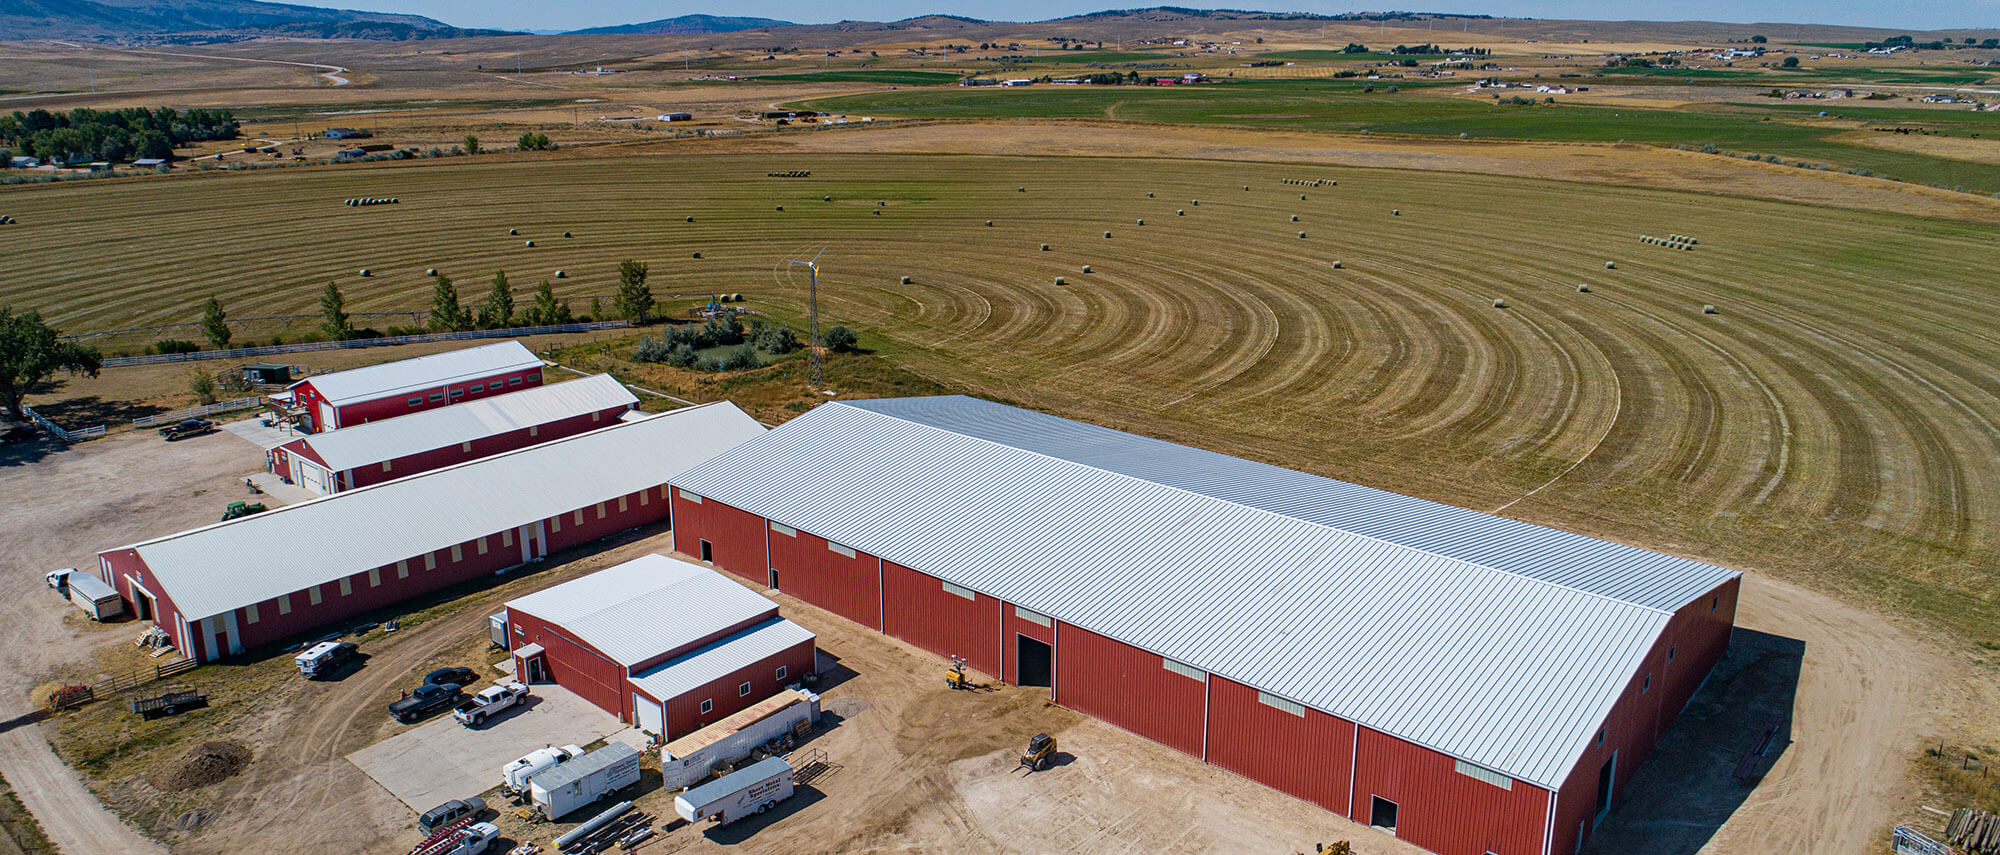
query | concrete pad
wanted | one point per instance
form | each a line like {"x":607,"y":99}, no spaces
{"x":279,"y":492}
{"x":441,"y":760}
{"x":263,"y":437}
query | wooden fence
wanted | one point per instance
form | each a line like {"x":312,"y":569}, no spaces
{"x":77,"y":695}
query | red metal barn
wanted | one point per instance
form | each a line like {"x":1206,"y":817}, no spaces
{"x":222,"y":588}
{"x":392,"y":448}
{"x":666,"y":645}
{"x":1468,"y":683}
{"x":345,"y":398}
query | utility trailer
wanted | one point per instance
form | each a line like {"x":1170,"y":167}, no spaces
{"x":92,"y":595}
{"x":170,"y":703}
{"x":753,"y":789}
{"x":718,"y":746}
{"x":558,"y":792}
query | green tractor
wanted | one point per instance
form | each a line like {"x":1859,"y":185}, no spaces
{"x":242,"y":509}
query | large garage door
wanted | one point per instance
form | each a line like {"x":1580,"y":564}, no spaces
{"x":650,"y":718}
{"x":313,"y":477}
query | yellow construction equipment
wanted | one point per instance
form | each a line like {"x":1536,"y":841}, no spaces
{"x":1339,"y":847}
{"x":954,"y":677}
{"x":1041,"y":752}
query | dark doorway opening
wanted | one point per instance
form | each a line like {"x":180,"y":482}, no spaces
{"x":774,"y":578}
{"x":1604,"y":781}
{"x":145,"y":606}
{"x":1034,"y":662}
{"x":707,"y":552}
{"x":1382,"y":814}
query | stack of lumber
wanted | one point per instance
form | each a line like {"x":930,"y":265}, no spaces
{"x":1975,"y":831}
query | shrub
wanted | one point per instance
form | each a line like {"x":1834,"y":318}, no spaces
{"x":840,"y":340}
{"x":740,"y":359}
{"x":174,"y":345}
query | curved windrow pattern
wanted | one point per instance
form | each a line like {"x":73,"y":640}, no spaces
{"x":1847,"y":383}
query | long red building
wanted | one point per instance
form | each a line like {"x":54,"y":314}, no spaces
{"x":385,"y":450}
{"x":1468,"y":683}
{"x":356,"y":396}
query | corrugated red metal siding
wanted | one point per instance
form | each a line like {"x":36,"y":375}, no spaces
{"x":1442,"y":810}
{"x":1695,"y":639}
{"x":1011,"y":626}
{"x":572,"y":664}
{"x":684,"y":715}
{"x":438,"y":458}
{"x":390,"y":406}
{"x":917,"y":609}
{"x":272,"y":626}
{"x":121,"y":569}
{"x":736,"y":537}
{"x":811,"y":571}
{"x":1308,"y":756}
{"x":1128,"y":687}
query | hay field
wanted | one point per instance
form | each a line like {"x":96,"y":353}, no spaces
{"x":1834,"y":421}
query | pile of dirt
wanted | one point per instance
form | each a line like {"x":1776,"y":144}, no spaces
{"x":204,"y":764}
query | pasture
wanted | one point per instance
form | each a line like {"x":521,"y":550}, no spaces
{"x":1833,"y":421}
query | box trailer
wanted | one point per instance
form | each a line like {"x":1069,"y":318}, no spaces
{"x":94,"y":597}
{"x":697,"y":755}
{"x":559,"y":791}
{"x":755,"y":788}
{"x":496,"y":629}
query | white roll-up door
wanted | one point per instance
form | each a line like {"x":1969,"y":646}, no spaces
{"x":650,"y":718}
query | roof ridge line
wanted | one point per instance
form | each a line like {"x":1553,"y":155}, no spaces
{"x":1486,"y":567}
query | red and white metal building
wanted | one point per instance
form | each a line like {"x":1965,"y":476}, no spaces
{"x":345,"y":398}
{"x":1468,"y":683}
{"x":222,"y":588}
{"x":664,"y":644}
{"x":385,"y":450}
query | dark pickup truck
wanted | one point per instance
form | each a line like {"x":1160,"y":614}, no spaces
{"x":188,"y":428}
{"x":425,"y":700}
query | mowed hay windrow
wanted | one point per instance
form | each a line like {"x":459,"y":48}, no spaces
{"x":1219,"y":330}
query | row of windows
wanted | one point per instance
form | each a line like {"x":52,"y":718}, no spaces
{"x":460,"y":393}
{"x":708,"y":704}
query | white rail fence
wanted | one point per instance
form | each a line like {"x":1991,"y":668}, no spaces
{"x":56,"y":430}
{"x":198,"y":412}
{"x":302,"y":347}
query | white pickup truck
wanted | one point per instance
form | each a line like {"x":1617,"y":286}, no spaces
{"x":474,"y":711}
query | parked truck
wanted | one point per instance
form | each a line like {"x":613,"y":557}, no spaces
{"x":475,"y":710}
{"x":691,"y":758}
{"x":753,"y":789}
{"x":514,"y":776}
{"x":88,"y":593}
{"x":558,"y":792}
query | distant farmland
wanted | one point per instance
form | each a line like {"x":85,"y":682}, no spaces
{"x":1835,"y":418}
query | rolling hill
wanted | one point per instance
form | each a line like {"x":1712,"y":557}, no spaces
{"x":118,"y":19}
{"x":685,"y":24}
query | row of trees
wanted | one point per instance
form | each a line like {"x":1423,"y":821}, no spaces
{"x":84,"y":134}
{"x":681,"y":346}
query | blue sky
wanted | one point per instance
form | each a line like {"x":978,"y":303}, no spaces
{"x":577,"y":14}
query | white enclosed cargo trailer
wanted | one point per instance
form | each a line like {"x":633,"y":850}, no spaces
{"x":695,"y":756}
{"x":514,"y":776}
{"x":755,"y":788}
{"x":559,"y":791}
{"x":93,"y":596}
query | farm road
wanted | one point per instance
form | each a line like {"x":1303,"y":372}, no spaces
{"x":84,"y":499}
{"x":332,"y":74}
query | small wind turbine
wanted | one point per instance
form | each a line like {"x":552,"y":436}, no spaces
{"x":816,"y":378}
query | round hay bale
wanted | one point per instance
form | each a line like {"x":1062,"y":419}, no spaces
{"x":690,"y":219}
{"x":876,"y":212}
{"x":989,"y":223}
{"x":1302,"y":197}
{"x":1194,"y":201}
{"x":1142,"y":222}
{"x":879,"y":203}
{"x":1022,"y":189}
{"x":529,"y":243}
{"x":1499,"y":303}
{"x":365,"y":272}
{"x":1246,"y":187}
{"x":1611,"y":265}
{"x":1180,"y":212}
{"x":567,"y":234}
{"x":697,"y":255}
{"x":826,"y":198}
{"x":1061,"y":281}
{"x":392,"y":200}
{"x":1045,"y":247}
{"x":1395,"y":212}
{"x":738,"y":298}
{"x":1336,"y":265}
{"x":1086,"y":268}
{"x":1295,"y":218}
{"x":1149,"y":195}
{"x":1302,"y":234}
{"x":204,"y":764}
{"x":513,"y":231}
{"x":561,"y":275}
{"x":906,"y":280}
{"x":430,"y":271}
{"x":1707,"y":309}
{"x":781,"y":207}
{"x":1583,"y":288}
{"x":1107,"y":234}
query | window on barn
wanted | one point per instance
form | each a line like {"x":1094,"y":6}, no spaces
{"x":785,"y":530}
{"x":1275,"y":702}
{"x":1671,"y":651}
{"x":465,"y":448}
{"x":1714,"y":603}
{"x":403,"y":569}
{"x":1033,"y":616}
{"x":430,"y":561}
{"x":250,"y":613}
{"x":478,"y":387}
{"x":385,"y":465}
{"x":1484,"y":774}
{"x":1646,"y":686}
{"x":458,"y":393}
{"x":513,"y":381}
{"x":374,"y":577}
{"x":482,"y":545}
{"x":416,"y":400}
{"x":346,"y":586}
{"x":436,"y":397}
{"x":743,"y":690}
{"x":707,"y":706}
{"x":780,"y":674}
{"x":841,"y":549}
{"x":534,"y":430}
{"x":457,"y":553}
{"x":285,"y":604}
{"x":959,"y":591}
{"x":312,"y":595}
{"x":1183,"y":669}
{"x":691,"y":497}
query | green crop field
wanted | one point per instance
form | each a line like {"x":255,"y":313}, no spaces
{"x":1835,"y":420}
{"x":1344,"y":105}
{"x":896,"y":77}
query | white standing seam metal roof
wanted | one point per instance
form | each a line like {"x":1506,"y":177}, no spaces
{"x":698,"y":668}
{"x":1503,"y":669}
{"x":425,"y":430}
{"x":423,"y":372}
{"x":642,"y":608}
{"x":556,"y":777}
{"x":229,"y":565}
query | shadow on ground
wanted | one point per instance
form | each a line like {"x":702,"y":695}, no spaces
{"x":1688,"y":788}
